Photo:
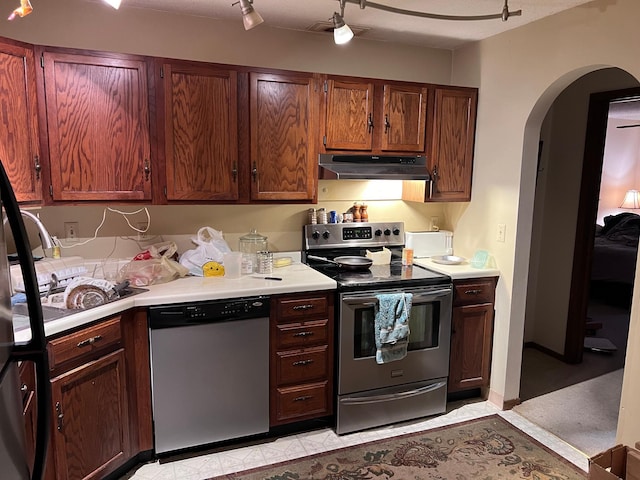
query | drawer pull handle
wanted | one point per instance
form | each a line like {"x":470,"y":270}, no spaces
{"x":303,"y":334}
{"x":302,"y":363}
{"x":303,"y":307}
{"x":59,"y":416}
{"x":89,"y":341}
{"x":475,"y":291}
{"x":302,"y":398}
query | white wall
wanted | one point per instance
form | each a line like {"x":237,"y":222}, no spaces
{"x":520,"y":73}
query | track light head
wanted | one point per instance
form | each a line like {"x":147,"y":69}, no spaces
{"x":250,"y":18}
{"x":341,"y":31}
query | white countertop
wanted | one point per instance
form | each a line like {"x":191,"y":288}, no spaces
{"x":457,"y":272}
{"x":296,"y":277}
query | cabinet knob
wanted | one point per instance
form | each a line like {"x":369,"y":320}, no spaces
{"x":59,"y":416}
{"x":234,"y":172}
{"x":370,"y":123}
{"x":387,"y":125}
{"x":254,"y":172}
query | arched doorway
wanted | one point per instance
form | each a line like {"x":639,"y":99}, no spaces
{"x":560,"y":227}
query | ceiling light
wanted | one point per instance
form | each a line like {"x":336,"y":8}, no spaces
{"x":341,"y":31}
{"x":250,"y":17}
{"x":114,"y":3}
{"x":23,"y":10}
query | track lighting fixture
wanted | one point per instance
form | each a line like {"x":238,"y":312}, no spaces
{"x":250,"y":18}
{"x":341,"y":31}
{"x":23,"y":10}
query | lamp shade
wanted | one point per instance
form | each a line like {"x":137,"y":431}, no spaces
{"x":341,"y":31}
{"x":631,"y":199}
{"x":114,"y":3}
{"x":250,"y":18}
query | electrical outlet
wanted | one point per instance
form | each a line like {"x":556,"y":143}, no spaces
{"x":70,"y":230}
{"x":142,"y":235}
{"x":501,"y":232}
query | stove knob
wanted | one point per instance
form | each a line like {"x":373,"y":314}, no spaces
{"x":325,"y":235}
{"x":315,"y":235}
{"x":387,"y":232}
{"x":378,"y":232}
{"x":396,"y":231}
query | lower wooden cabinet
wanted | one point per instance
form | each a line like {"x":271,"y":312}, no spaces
{"x":29,"y":412}
{"x":471,"y":334}
{"x":301,"y":370}
{"x":100,"y":398}
{"x":91,"y":418}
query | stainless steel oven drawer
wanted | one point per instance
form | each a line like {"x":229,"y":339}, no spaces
{"x":373,"y":408}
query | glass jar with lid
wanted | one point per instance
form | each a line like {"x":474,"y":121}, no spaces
{"x":250,"y":245}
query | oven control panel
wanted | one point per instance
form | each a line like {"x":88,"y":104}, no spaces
{"x":337,"y":235}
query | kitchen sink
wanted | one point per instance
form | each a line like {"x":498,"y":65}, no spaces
{"x":20,"y":311}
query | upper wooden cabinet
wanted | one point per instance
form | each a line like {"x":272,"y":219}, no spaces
{"x":200,"y":131}
{"x":19,"y":138}
{"x":98,"y":126}
{"x":371,"y":116}
{"x":450,"y":149}
{"x":282,"y":125}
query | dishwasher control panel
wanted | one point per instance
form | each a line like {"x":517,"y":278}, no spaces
{"x":171,"y":316}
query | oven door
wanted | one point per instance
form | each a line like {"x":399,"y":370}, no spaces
{"x":428,"y":350}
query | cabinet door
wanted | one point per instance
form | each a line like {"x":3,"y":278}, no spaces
{"x":98,"y":122}
{"x":349,"y":122}
{"x":451,"y":159}
{"x":471,"y":335}
{"x":201,"y":132}
{"x":19,"y":147}
{"x":282,"y":113}
{"x":405,"y":113}
{"x":91,"y":419}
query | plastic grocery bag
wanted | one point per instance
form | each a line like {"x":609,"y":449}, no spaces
{"x":211,"y":247}
{"x":153,"y":266}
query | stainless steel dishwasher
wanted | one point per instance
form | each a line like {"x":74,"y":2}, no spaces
{"x":209,"y":371}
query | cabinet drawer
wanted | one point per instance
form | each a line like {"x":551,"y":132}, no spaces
{"x":291,"y":335}
{"x":302,"y":365}
{"x":313,"y":306}
{"x":474,"y":291}
{"x":302,"y":401}
{"x":85,"y":342}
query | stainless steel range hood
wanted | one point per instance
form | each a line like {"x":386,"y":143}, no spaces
{"x":372,"y":167}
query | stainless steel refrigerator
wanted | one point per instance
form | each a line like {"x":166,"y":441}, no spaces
{"x":14,"y":464}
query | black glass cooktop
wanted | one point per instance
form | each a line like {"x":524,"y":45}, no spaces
{"x":382,"y":276}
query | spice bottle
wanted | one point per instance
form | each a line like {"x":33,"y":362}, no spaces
{"x":364,"y":215}
{"x":356,"y":212}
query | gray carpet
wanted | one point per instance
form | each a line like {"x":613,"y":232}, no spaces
{"x":585,"y":415}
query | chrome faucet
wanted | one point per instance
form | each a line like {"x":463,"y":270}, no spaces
{"x":45,"y":238}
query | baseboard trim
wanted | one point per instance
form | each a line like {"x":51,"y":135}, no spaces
{"x":499,"y":401}
{"x":543,"y":349}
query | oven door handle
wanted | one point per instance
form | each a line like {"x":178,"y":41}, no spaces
{"x":417,"y":297}
{"x":392,"y":396}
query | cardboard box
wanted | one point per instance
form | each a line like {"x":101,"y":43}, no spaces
{"x":617,"y":463}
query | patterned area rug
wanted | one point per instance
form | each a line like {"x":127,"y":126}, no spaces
{"x":484,"y":449}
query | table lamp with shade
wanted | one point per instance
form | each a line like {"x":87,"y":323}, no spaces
{"x":631,"y":199}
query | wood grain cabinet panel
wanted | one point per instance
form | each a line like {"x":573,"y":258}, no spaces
{"x":451,"y":159}
{"x":200,"y":131}
{"x":91,"y":419}
{"x":471,"y":334}
{"x":283,"y":136}
{"x":19,"y":135}
{"x":405,"y":116}
{"x":349,"y":121}
{"x":98,"y":124}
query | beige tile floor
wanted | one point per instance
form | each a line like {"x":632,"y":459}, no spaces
{"x":294,"y":446}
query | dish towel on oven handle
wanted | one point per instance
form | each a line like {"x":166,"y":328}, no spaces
{"x":392,"y":326}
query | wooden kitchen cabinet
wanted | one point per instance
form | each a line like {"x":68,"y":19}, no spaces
{"x":19,"y":135}
{"x":373,"y":116}
{"x":450,"y":157}
{"x":101,"y":402}
{"x":471,"y":333}
{"x":29,"y":410}
{"x":200,"y":131}
{"x":301,"y":345}
{"x":283,"y":125}
{"x":97,"y":116}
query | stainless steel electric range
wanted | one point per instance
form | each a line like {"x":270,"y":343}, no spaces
{"x":372,"y":394}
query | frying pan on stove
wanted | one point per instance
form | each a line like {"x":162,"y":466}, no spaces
{"x":348,"y":262}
